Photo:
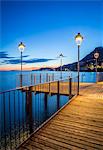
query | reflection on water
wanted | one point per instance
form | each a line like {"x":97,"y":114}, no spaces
{"x":22,"y":112}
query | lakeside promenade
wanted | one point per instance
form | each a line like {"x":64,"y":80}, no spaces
{"x":79,"y":125}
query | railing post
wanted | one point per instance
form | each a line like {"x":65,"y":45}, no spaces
{"x":97,"y":78}
{"x":21,"y":80}
{"x":70,"y":86}
{"x":5,"y":140}
{"x":46,"y":77}
{"x":49,"y":83}
{"x":45,"y":104}
{"x":58,"y":87}
{"x":29,"y":108}
{"x":40,"y":77}
{"x":34,"y":78}
{"x":49,"y":78}
{"x":31,"y":79}
{"x":53,"y":77}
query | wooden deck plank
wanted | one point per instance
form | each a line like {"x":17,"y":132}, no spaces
{"x":79,"y":120}
{"x":83,"y":119}
{"x":82,"y":125}
{"x":56,"y":142}
{"x":71,"y":139}
{"x":78,"y":126}
{"x":75,"y":131}
{"x":38,"y":145}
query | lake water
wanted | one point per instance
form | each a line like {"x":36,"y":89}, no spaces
{"x":21,"y":112}
{"x":11,"y":79}
{"x":21,"y":116}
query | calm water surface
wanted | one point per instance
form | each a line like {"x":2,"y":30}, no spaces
{"x":11,"y":79}
{"x":22,"y":112}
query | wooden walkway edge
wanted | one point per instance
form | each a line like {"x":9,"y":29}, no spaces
{"x":78,"y":126}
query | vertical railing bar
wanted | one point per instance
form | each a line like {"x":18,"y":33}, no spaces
{"x":38,"y":105}
{"x":31,"y":78}
{"x":52,"y":76}
{"x":15,"y":121}
{"x":46,"y":77}
{"x":19,"y":114}
{"x":34,"y":79}
{"x":70,"y":86}
{"x":49,"y":84}
{"x":40,"y":77}
{"x":26,"y":115}
{"x":4,"y":121}
{"x":25,"y":111}
{"x":22,"y":116}
{"x":10,"y":122}
{"x":41,"y":86}
{"x":58,"y":90}
{"x":35,"y":109}
{"x":35,"y":112}
{"x":0,"y":124}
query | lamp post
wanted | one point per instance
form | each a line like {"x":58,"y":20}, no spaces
{"x":78,"y":39}
{"x":21,"y":48}
{"x":96,"y":55}
{"x":61,"y":56}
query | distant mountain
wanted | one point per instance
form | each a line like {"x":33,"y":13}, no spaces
{"x":46,"y":69}
{"x":88,"y":63}
{"x":90,"y":57}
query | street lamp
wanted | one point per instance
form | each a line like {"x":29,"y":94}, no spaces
{"x":96,"y":55}
{"x":78,"y":39}
{"x":21,"y":48}
{"x":61,"y":56}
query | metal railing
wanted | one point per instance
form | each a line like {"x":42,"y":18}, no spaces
{"x":100,"y":77}
{"x":24,"y":109}
{"x":37,"y":78}
{"x":32,"y":79}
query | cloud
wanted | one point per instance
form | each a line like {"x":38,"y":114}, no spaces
{"x":16,"y":60}
{"x":35,"y":60}
{"x":4,"y":54}
{"x":26,"y":56}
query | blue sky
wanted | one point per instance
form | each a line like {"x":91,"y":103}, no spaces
{"x":48,"y":28}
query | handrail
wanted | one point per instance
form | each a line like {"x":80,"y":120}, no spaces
{"x":17,"y":109}
{"x":20,"y":88}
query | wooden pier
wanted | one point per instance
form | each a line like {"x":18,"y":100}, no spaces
{"x":79,"y":125}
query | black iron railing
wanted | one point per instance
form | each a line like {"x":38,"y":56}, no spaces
{"x":24,"y":109}
{"x":32,"y":79}
{"x":100,"y":77}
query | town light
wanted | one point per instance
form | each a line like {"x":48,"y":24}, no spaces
{"x":21,"y":48}
{"x":78,"y":39}
{"x":61,"y":56}
{"x":96,"y":56}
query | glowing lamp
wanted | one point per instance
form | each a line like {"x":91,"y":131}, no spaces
{"x":96,"y":55}
{"x":78,"y":39}
{"x":21,"y":47}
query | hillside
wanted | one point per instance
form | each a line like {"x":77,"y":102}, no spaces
{"x":87,"y":63}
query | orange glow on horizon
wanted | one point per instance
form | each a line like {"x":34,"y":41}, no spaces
{"x":8,"y":68}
